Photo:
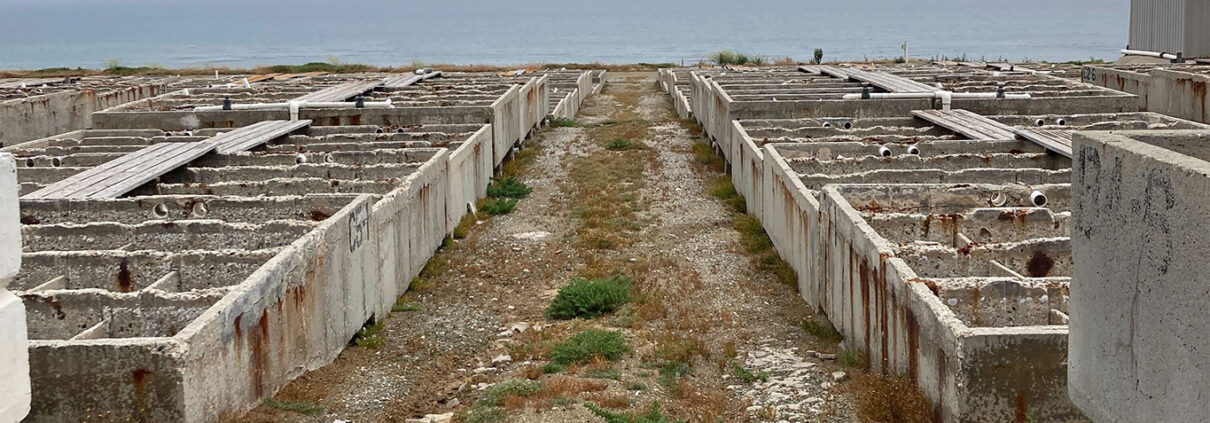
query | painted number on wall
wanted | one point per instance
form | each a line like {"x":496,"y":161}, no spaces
{"x":1090,"y":74}
{"x":359,"y":227}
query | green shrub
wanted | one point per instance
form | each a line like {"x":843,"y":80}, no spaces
{"x":653,"y":415}
{"x":564,"y":123}
{"x":584,"y":346}
{"x":511,"y":388}
{"x":583,"y":298}
{"x":746,"y":376}
{"x":508,"y":188}
{"x":817,"y":57}
{"x":619,"y":144}
{"x":605,"y":373}
{"x":551,"y":368}
{"x":498,"y":206}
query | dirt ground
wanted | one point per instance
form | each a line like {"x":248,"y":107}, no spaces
{"x":646,"y":213}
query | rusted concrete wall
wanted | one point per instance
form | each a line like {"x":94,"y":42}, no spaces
{"x":1139,"y":328}
{"x":42,"y":116}
{"x":1168,"y":91}
{"x":470,"y":172}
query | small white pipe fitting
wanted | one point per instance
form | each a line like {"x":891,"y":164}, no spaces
{"x":913,"y":150}
{"x":1040,"y":122}
{"x":1037,"y":198}
{"x":300,"y":159}
{"x":884,"y":151}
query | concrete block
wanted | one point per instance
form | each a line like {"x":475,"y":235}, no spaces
{"x":14,"y":359}
{"x":1139,"y":328}
{"x":10,"y":225}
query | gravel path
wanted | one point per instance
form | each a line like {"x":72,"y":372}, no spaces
{"x":487,"y":303}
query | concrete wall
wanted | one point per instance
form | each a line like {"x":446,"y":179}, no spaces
{"x":1168,"y":91}
{"x":470,"y":172}
{"x":1139,"y":332}
{"x":45,"y":115}
{"x":295,"y":313}
{"x":14,"y":355}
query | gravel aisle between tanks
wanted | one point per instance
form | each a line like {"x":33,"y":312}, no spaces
{"x":646,"y":213}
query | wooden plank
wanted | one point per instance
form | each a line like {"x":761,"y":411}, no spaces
{"x":119,"y":176}
{"x":341,"y":92}
{"x":248,"y":137}
{"x":401,"y":81}
{"x":1055,"y":140}
{"x":811,"y":69}
{"x":889,"y":82}
{"x":67,"y":187}
{"x":833,"y":72}
{"x":967,"y":124}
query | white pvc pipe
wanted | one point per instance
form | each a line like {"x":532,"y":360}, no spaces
{"x":1038,"y":198}
{"x":1161,"y":55}
{"x":945,"y":96}
{"x":884,"y":152}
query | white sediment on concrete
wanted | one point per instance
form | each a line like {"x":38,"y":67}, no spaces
{"x":14,"y":344}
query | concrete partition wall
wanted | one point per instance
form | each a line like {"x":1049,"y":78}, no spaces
{"x":507,"y":129}
{"x":14,"y":349}
{"x":470,"y":172}
{"x":791,"y":216}
{"x":295,"y":313}
{"x":1178,"y":92}
{"x":1140,"y":331}
{"x":747,"y":162}
{"x":45,"y":115}
{"x":893,"y":316}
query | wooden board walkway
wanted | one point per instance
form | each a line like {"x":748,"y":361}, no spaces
{"x":1056,"y":140}
{"x":967,"y":124}
{"x":889,"y":82}
{"x":119,"y":176}
{"x":342,"y":92}
{"x":401,"y":81}
{"x":248,"y":137}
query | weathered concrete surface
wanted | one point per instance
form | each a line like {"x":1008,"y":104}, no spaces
{"x":1178,"y":91}
{"x":55,"y":113}
{"x":1139,"y":332}
{"x":14,"y":356}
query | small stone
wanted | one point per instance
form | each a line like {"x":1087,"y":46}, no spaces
{"x":454,"y":403}
{"x":501,"y":359}
{"x":838,"y":376}
{"x":826,"y":356}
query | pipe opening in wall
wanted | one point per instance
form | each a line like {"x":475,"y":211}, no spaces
{"x":29,"y":162}
{"x":56,"y":162}
{"x":1037,"y":198}
{"x":884,"y":151}
{"x":913,"y":150}
{"x":300,"y":159}
{"x":200,"y":209}
{"x":160,"y":211}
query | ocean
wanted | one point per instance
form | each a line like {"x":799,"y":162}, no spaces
{"x":237,"y":33}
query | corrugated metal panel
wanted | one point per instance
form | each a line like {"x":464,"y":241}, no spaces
{"x":1158,"y":25}
{"x":1197,"y":28}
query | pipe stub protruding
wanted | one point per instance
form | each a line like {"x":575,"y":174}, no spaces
{"x":847,"y":125}
{"x":884,"y":151}
{"x":1061,"y":122}
{"x":300,"y":159}
{"x":360,"y":102}
{"x":1040,"y":122}
{"x":827,"y":124}
{"x":160,"y":210}
{"x":865,"y":91}
{"x":1037,"y":198}
{"x":913,"y":150}
{"x":227,"y":103}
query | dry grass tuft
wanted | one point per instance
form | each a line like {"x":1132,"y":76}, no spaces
{"x":890,"y":399}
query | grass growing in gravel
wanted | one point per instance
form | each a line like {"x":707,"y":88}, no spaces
{"x":369,"y":337}
{"x":564,"y":123}
{"x":747,"y":376}
{"x":852,"y":359}
{"x":497,"y":206}
{"x":305,"y":408}
{"x":619,"y":144}
{"x":652,"y":415}
{"x":890,"y":399}
{"x":590,"y":298}
{"x":508,"y":187}
{"x":464,"y":226}
{"x":489,"y":410}
{"x":589,"y":344}
{"x":822,"y":330}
